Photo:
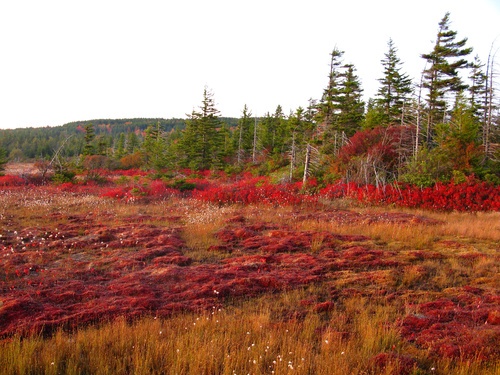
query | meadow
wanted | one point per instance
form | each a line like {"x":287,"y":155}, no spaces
{"x":205,"y":275}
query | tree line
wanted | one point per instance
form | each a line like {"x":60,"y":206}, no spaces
{"x":441,"y":126}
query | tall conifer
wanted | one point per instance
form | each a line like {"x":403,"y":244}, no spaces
{"x":201,"y":144}
{"x":441,"y":77}
{"x":395,"y":89}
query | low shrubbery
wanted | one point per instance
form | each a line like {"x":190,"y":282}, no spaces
{"x":469,"y":194}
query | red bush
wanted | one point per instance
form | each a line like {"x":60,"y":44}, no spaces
{"x":11,"y":180}
{"x":472,"y":195}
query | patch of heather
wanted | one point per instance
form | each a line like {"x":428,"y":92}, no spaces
{"x":463,"y":324}
{"x":69,"y":258}
{"x":393,"y":364}
{"x":81,"y":271}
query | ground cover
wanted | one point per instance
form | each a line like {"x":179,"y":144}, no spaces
{"x":399,"y":290}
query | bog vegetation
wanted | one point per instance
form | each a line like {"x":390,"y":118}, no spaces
{"x":192,"y":275}
{"x":343,"y":238}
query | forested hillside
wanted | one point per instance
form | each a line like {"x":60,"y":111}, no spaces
{"x":439,"y":127}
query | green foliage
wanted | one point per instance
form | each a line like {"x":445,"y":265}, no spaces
{"x":429,"y":167}
{"x":182,"y":185}
{"x":351,"y":104}
{"x":62,"y":176}
{"x":395,"y":89}
{"x":3,"y":160}
{"x":243,"y":136}
{"x":154,"y":148}
{"x":89,"y":147}
{"x":441,"y":77}
{"x":341,"y":109}
{"x":374,"y":115}
{"x":201,"y":146}
{"x":273,"y":132}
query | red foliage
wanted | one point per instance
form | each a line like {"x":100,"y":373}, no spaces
{"x":11,"y":180}
{"x":472,"y":195}
{"x":254,"y":190}
{"x":83,"y":272}
{"x":400,"y":364}
{"x":460,"y":326}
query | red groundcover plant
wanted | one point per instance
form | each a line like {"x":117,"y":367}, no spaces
{"x":472,"y":195}
{"x":10,"y":180}
{"x":255,"y":190}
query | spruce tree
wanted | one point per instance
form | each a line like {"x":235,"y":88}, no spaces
{"x":154,"y":147}
{"x":3,"y":160}
{"x":243,"y":136}
{"x":477,"y":88}
{"x":201,"y":144}
{"x":88,"y":147}
{"x":133,"y":143}
{"x":351,"y":105}
{"x":273,"y":132}
{"x":341,"y":109}
{"x":328,"y":106}
{"x":395,"y":89}
{"x":441,"y":77}
{"x":119,"y":151}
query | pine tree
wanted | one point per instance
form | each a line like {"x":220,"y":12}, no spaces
{"x":477,"y":88}
{"x":328,"y":106}
{"x":154,"y":147}
{"x":244,"y":135}
{"x":395,"y":89}
{"x":133,"y":143}
{"x":3,"y":160}
{"x":341,"y":109}
{"x":119,"y":151}
{"x":88,"y":147}
{"x":442,"y":76}
{"x":351,"y":105}
{"x":273,"y":132}
{"x":201,"y":144}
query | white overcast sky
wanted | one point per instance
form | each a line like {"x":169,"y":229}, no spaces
{"x":67,"y":60}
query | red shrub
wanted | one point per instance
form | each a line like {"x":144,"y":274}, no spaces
{"x":400,"y":364}
{"x":472,"y":195}
{"x":11,"y":180}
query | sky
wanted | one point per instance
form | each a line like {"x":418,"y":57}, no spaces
{"x":67,"y":60}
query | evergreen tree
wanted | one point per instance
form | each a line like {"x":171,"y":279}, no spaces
{"x":3,"y":160}
{"x":351,"y":105}
{"x":477,"y":88}
{"x":341,"y":109}
{"x":442,"y":75}
{"x":375,"y":115}
{"x":119,"y":151}
{"x":273,"y":132}
{"x":329,"y":103}
{"x":395,"y":89}
{"x":133,"y":143}
{"x":202,"y":144}
{"x":88,"y":147}
{"x":154,"y":147}
{"x":459,"y":138}
{"x":243,"y":136}
{"x":103,"y":144}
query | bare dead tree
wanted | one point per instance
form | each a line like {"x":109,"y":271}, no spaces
{"x":311,"y":162}
{"x":488,"y":102}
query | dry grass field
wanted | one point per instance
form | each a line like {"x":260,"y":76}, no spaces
{"x":92,"y":285}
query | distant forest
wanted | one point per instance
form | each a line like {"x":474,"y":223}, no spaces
{"x":41,"y":143}
{"x":439,"y":127}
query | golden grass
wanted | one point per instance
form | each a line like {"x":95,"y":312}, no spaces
{"x":276,"y":333}
{"x":250,"y":337}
